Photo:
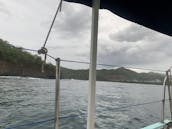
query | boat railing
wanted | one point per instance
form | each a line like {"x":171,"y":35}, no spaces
{"x":57,"y":117}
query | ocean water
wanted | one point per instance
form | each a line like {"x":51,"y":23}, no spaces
{"x":25,"y":100}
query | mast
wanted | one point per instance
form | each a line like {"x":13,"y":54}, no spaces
{"x":93,"y":61}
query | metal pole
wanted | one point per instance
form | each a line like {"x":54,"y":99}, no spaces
{"x":57,"y":95}
{"x":93,"y":61}
{"x":163,"y":100}
{"x":169,"y":92}
{"x":170,"y":85}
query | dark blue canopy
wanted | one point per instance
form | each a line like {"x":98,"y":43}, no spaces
{"x":154,"y":14}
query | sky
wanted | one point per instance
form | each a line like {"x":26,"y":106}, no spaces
{"x":120,"y":42}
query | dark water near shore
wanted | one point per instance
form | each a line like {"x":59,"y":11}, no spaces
{"x":24,"y":100}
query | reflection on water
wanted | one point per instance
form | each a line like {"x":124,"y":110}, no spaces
{"x":24,"y":100}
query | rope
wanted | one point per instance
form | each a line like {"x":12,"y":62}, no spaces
{"x":41,"y":121}
{"x":43,"y":50}
{"x":51,"y":57}
{"x":54,"y":18}
{"x":74,"y":116}
{"x":31,"y":123}
{"x":109,"y":65}
{"x":139,"y":104}
{"x":100,"y":64}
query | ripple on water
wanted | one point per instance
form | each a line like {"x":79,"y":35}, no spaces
{"x":25,"y":100}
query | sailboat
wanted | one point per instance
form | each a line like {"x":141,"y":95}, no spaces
{"x":156,"y":15}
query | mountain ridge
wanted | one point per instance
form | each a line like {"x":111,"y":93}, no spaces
{"x":14,"y":61}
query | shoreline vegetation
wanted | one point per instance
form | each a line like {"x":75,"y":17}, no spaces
{"x":28,"y":77}
{"x":14,"y":61}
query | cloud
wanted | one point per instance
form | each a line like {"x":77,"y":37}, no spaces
{"x":143,"y":47}
{"x":73,"y":22}
{"x":133,"y":33}
{"x":120,"y":41}
{"x":130,"y":55}
{"x":3,"y":9}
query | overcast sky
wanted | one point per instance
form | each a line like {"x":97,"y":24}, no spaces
{"x":26,"y":22}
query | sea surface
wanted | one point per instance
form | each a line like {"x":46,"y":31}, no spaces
{"x":27,"y":100}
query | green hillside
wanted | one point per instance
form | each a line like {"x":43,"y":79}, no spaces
{"x":15,"y":61}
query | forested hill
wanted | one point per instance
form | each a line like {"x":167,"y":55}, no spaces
{"x":116,"y":75}
{"x":17,"y":62}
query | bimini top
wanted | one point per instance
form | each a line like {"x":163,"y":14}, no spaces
{"x":156,"y":14}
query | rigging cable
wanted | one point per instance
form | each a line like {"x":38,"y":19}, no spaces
{"x":43,"y":49}
{"x":54,"y":18}
{"x":100,"y":64}
{"x":74,"y":116}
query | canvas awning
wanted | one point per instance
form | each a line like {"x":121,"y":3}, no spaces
{"x":156,"y":15}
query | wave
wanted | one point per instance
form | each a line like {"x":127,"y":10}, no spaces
{"x":18,"y":77}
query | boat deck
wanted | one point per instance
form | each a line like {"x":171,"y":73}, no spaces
{"x":158,"y":125}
